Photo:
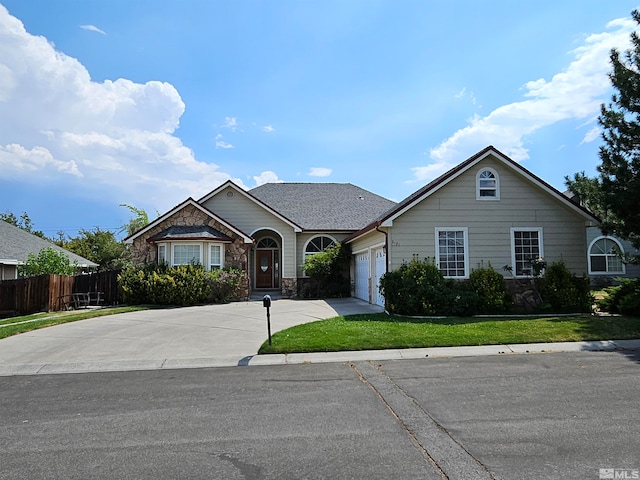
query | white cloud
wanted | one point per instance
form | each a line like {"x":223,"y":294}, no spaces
{"x":268,"y":129}
{"x":266,"y":177}
{"x":319,"y":172}
{"x":591,"y":135}
{"x":220,"y":143}
{"x":575,"y":93}
{"x":92,"y":28}
{"x":231,"y":123}
{"x":113,"y":139}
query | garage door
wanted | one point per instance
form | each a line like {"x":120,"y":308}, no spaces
{"x":362,"y":276}
{"x":381,"y":268}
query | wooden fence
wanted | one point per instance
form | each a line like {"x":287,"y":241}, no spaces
{"x":42,"y":293}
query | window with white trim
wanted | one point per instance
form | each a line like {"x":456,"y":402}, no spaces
{"x":186,"y":254}
{"x":487,"y":185}
{"x":318,"y":244}
{"x":162,"y":254}
{"x":526,"y":247}
{"x":452,"y":252}
{"x":605,"y":256}
{"x":215,"y":257}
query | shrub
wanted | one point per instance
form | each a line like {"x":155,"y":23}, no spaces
{"x":226,"y":285}
{"x":416,"y":288}
{"x":490,"y":287}
{"x":624,"y":298}
{"x":49,"y":261}
{"x":328,"y":272}
{"x":180,"y":285}
{"x":563,"y":292}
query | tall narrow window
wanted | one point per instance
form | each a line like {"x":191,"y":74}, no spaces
{"x":452,"y":255}
{"x":526,"y":247}
{"x":162,"y":254}
{"x":605,"y":256}
{"x":487,"y":185}
{"x":215,"y":257}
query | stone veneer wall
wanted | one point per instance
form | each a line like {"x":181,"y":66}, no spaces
{"x":289,"y":287}
{"x":236,"y":253}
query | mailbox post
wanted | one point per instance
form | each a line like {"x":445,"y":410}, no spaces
{"x":266,"y":303}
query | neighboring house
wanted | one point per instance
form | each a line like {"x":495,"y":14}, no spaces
{"x":267,"y":231}
{"x":16,"y":245}
{"x":488,"y":210}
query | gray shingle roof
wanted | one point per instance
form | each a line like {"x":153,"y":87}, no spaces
{"x":17,"y":244}
{"x":323,"y":206}
{"x":194,"y":232}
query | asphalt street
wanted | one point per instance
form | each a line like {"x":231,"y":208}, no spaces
{"x":532,"y":416}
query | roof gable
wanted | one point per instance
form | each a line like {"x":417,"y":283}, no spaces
{"x":386,"y":219}
{"x":190,"y":201}
{"x":252,"y":198}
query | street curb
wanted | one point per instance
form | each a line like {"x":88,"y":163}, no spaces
{"x":321,"y":357}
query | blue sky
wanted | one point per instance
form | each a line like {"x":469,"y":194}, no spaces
{"x":149,"y":102}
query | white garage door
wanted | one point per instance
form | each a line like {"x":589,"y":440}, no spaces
{"x":362,"y":276}
{"x":381,"y":268}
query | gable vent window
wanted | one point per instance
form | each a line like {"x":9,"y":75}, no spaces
{"x":487,"y":185}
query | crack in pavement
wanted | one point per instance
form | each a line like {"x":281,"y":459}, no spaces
{"x":451,"y":459}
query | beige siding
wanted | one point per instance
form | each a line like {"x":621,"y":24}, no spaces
{"x":489,"y":222}
{"x":249,"y":217}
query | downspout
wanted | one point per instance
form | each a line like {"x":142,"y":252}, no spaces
{"x":386,"y":254}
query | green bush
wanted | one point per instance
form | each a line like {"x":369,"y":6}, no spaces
{"x":563,"y":292}
{"x":328,"y":272}
{"x":226,"y":285}
{"x":180,"y":285}
{"x":417,"y":288}
{"x":624,"y":298}
{"x":490,"y":287}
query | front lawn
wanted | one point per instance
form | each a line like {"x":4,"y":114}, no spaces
{"x":381,"y":331}
{"x":15,"y":325}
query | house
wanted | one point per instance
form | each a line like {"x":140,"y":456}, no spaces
{"x":267,"y":231}
{"x":16,"y":245}
{"x":486,"y":210}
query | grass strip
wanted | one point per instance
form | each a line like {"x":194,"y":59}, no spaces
{"x":381,"y":331}
{"x":28,"y":323}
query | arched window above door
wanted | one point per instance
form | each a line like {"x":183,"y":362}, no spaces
{"x":267,"y":242}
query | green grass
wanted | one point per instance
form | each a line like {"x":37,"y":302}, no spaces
{"x":381,"y":331}
{"x":40,"y":320}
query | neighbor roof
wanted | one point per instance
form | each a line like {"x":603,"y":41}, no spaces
{"x":16,"y":245}
{"x":323,"y":206}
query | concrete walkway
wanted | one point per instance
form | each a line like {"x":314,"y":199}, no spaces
{"x":214,"y":336}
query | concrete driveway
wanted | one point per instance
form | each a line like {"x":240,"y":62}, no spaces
{"x":203,"y":336}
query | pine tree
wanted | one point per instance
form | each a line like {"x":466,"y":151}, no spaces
{"x":620,"y":154}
